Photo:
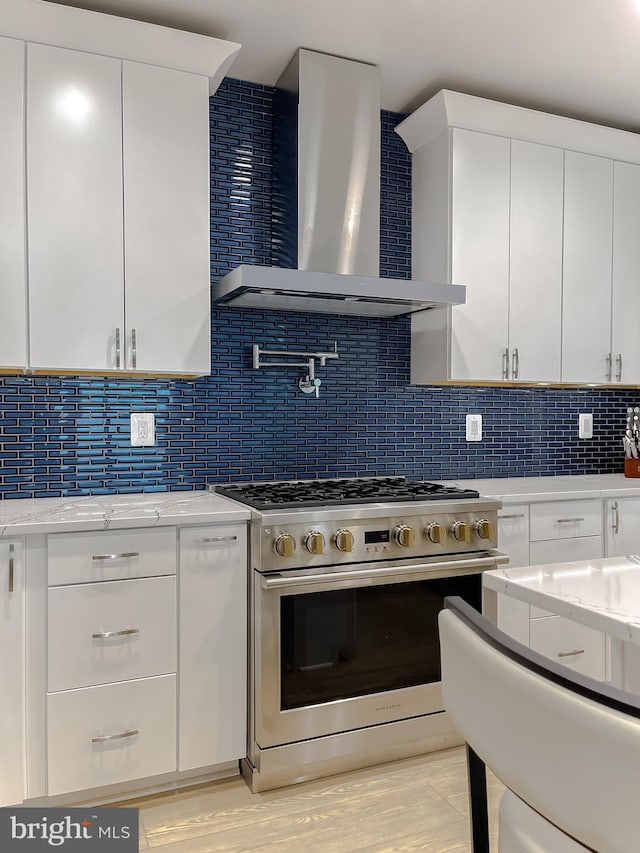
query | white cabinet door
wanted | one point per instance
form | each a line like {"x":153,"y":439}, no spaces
{"x":586,"y":309}
{"x":213,"y":646}
{"x":74,"y":191}
{"x":513,"y":533}
{"x":535,"y":262}
{"x":622,"y":527}
{"x":166,"y":219}
{"x":625,"y":329}
{"x":13,"y":282}
{"x":12,"y":709}
{"x":480,"y":254}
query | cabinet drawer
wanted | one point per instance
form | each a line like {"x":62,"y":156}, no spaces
{"x":565,"y":519}
{"x":111,"y":555}
{"x":76,"y":717}
{"x":573,"y":645}
{"x":145,"y":609}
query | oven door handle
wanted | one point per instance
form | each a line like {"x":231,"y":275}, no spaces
{"x":420,"y":571}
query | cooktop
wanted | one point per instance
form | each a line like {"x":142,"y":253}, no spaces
{"x":282,"y":494}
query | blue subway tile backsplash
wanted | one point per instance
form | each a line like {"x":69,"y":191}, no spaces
{"x":70,"y":436}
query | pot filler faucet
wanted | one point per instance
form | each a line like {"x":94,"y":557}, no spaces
{"x":309,"y":383}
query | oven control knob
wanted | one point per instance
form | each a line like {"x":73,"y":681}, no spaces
{"x":485,"y":529}
{"x":436,"y":533}
{"x":461,"y":531}
{"x":404,"y":535}
{"x":314,"y":542}
{"x":285,"y":545}
{"x":344,"y":541}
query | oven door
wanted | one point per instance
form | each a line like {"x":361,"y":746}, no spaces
{"x":341,"y":649}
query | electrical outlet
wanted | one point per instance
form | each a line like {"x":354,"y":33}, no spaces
{"x":474,"y":427}
{"x":143,"y":429}
{"x":585,"y":425}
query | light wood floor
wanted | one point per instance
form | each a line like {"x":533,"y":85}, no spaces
{"x":419,"y":804}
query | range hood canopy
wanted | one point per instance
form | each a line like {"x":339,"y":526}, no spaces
{"x":326,"y":202}
{"x":332,"y":293}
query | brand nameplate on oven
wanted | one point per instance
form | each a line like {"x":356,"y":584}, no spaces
{"x":373,"y":537}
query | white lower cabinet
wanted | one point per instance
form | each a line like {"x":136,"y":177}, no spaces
{"x":546,"y":533}
{"x":12,"y":706}
{"x":622,"y":527}
{"x":114,"y":733}
{"x":575,"y":646}
{"x":213,"y":646}
{"x":104,"y":632}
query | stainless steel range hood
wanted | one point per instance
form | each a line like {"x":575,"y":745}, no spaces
{"x":326,"y":202}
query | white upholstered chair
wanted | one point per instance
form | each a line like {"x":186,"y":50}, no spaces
{"x":566,"y":747}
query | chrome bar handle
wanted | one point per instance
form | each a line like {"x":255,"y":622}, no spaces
{"x":134,"y":349}
{"x":619,"y":367}
{"x":609,"y":370}
{"x":123,"y":556}
{"x":515,"y":363}
{"x":616,"y":517}
{"x":118,"y":349}
{"x":505,"y":364}
{"x":568,"y":520}
{"x":12,"y":564}
{"x":105,"y":738}
{"x":104,"y":635}
{"x":571,"y":654}
{"x":515,"y":515}
{"x":210,"y":539}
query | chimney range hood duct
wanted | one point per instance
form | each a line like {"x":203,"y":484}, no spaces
{"x":326,"y":202}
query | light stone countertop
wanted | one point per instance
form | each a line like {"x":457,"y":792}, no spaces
{"x":111,"y":512}
{"x":602,"y":594}
{"x":512,"y":490}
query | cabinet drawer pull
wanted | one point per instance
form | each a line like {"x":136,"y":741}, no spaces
{"x":515,"y":515}
{"x":616,"y":517}
{"x":105,"y":738}
{"x":609,"y":367}
{"x":515,"y":369}
{"x":571,"y":654}
{"x":134,"y":349}
{"x":126,"y":632}
{"x":210,"y":539}
{"x":118,"y":350}
{"x":568,"y":520}
{"x":619,"y":367}
{"x":124,"y":556}
{"x":12,"y":565}
{"x":505,"y":364}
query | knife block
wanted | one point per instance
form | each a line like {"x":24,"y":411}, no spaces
{"x":632,"y":467}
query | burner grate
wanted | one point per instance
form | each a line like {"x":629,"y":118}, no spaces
{"x":284,"y":494}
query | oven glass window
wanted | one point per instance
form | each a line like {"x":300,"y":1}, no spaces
{"x":351,"y":642}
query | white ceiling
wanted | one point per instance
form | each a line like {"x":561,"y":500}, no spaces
{"x":579,"y":58}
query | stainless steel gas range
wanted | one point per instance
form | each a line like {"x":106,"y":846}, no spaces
{"x":347,"y":580}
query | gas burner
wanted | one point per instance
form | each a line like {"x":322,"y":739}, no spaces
{"x":285,"y":494}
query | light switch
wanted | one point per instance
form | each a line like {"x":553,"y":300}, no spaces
{"x":143,"y":429}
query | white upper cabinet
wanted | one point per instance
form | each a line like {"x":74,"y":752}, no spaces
{"x":13,"y":282}
{"x":480,"y":254}
{"x":118,"y":193}
{"x":625,"y":304}
{"x":503,"y":209}
{"x":166,"y":219}
{"x":535,"y":262}
{"x":104,"y":259}
{"x":74,"y":187}
{"x":588,"y":217}
{"x":538,"y":216}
